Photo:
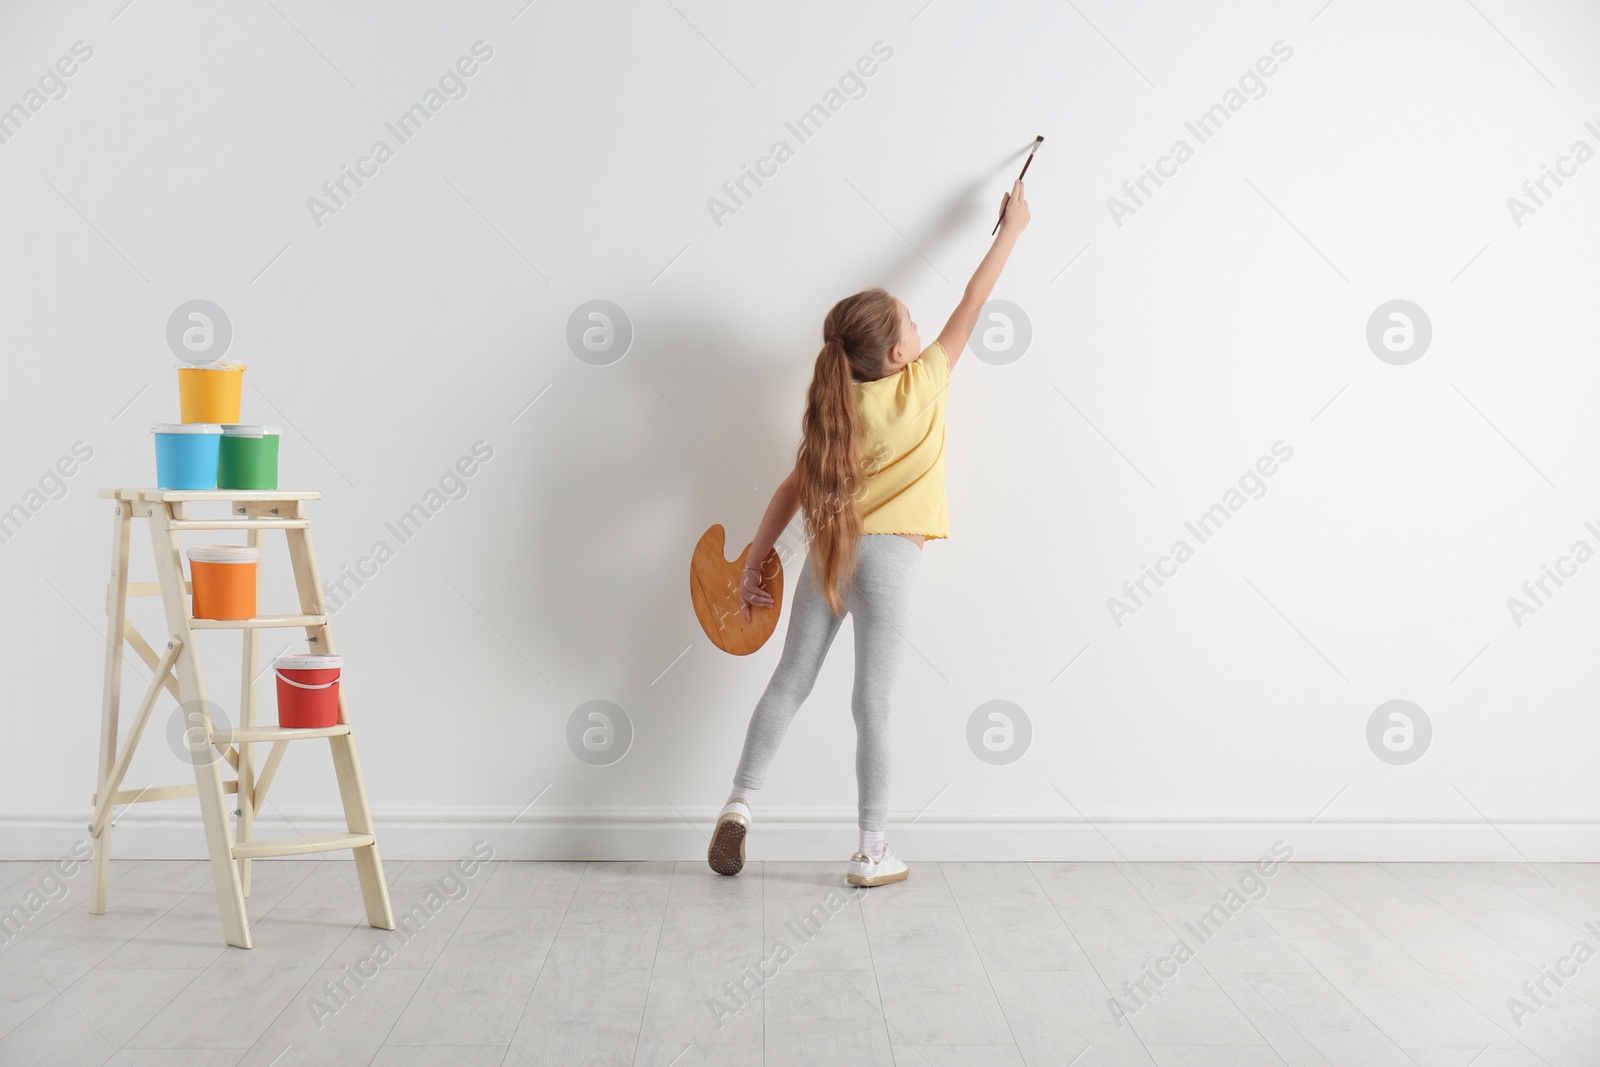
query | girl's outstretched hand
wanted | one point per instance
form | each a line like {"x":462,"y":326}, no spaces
{"x":751,"y":593}
{"x":1015,"y":206}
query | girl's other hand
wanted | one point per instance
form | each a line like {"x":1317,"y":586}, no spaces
{"x":751,"y":593}
{"x":1015,"y":205}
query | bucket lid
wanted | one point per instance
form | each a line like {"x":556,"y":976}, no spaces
{"x":224,"y":554}
{"x":239,"y":429}
{"x":308,"y":661}
{"x":187,"y":427}
{"x":216,"y":365}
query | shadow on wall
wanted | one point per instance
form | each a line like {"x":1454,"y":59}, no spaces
{"x":972,"y":209}
{"x":618,"y":485}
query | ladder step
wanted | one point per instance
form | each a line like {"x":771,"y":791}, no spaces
{"x":300,"y":846}
{"x":231,"y":495}
{"x":240,"y":524}
{"x":276,"y":733}
{"x":259,"y":622}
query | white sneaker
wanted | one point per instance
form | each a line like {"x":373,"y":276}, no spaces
{"x":864,"y":870}
{"x":726,"y":854}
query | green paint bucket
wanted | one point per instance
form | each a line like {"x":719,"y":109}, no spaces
{"x":248,"y":458}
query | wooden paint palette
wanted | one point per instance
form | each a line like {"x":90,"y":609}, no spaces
{"x":714,"y":588}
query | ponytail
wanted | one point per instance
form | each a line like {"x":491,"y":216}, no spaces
{"x":860,"y":331}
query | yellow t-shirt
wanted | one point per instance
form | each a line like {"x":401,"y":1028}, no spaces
{"x":902,"y":448}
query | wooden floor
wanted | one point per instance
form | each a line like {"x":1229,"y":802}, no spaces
{"x":976,"y":964}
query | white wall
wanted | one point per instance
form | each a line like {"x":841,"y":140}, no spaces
{"x":1168,"y":353}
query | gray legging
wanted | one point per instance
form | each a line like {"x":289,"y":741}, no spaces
{"x":878,"y":596}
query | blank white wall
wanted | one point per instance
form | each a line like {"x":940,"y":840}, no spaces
{"x":1168,"y":353}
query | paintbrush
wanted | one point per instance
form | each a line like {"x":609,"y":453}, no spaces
{"x":1037,"y":141}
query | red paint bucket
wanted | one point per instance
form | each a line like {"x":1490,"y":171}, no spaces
{"x":308,"y":689}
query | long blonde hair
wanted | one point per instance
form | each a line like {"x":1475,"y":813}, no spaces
{"x":859,"y":333}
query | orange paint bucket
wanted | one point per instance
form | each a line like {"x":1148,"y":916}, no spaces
{"x":210,"y":393}
{"x":223,"y":578}
{"x":308,"y":689}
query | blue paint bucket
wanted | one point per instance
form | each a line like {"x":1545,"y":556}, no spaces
{"x":186,"y":455}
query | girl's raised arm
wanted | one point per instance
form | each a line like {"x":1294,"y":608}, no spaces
{"x":953,"y":338}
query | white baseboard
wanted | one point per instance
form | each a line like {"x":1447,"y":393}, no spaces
{"x":665,"y":834}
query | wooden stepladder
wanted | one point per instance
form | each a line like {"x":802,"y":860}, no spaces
{"x":177,"y":671}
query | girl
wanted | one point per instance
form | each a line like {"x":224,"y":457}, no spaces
{"x":869,"y":477}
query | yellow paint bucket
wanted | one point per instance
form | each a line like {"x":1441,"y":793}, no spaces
{"x":210,"y":393}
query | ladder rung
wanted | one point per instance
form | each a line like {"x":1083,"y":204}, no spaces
{"x":299,"y":846}
{"x":162,"y":792}
{"x":151,"y":588}
{"x":276,"y":733}
{"x":240,"y":524}
{"x":259,"y":622}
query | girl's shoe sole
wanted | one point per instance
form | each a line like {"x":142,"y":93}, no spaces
{"x":726,"y":854}
{"x":883,"y":879}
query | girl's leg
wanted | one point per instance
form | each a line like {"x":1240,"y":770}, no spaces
{"x":879,"y":599}
{"x":812,"y":627}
